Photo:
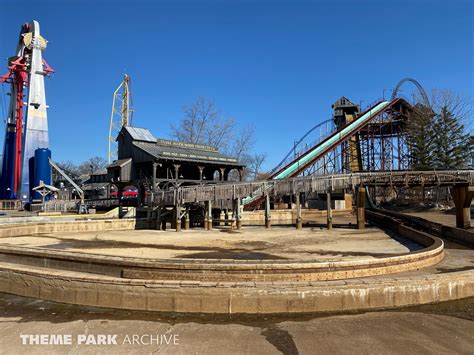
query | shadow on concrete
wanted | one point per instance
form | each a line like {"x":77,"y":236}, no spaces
{"x":344,"y":253}
{"x":442,"y":270}
{"x":68,"y":243}
{"x":235,"y":254}
{"x":202,"y":252}
{"x":452,"y":245}
{"x":281,"y":339}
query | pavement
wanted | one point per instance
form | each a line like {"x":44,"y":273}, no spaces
{"x":251,"y":243}
{"x":432,"y":329}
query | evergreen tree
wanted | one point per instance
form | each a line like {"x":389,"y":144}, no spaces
{"x":451,"y":146}
{"x":420,"y":134}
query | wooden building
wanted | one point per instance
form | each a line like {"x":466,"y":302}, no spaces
{"x":146,"y":162}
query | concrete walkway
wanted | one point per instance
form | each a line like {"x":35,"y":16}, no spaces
{"x":432,"y":329}
{"x":250,"y":243}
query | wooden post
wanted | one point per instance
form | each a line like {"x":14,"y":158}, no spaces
{"x":177,"y":214}
{"x":186,"y":219}
{"x":226,"y":217}
{"x":238,"y":220}
{"x":206,"y":216}
{"x":268,"y":221}
{"x":158,"y":219}
{"x":221,"y":217}
{"x":299,"y":220}
{"x":462,"y":197}
{"x":119,"y":196}
{"x":209,"y":215}
{"x":176,"y":170}
{"x":329,"y":210}
{"x":201,"y":168}
{"x":361,"y":208}
{"x":155,"y":165}
{"x":149,"y":211}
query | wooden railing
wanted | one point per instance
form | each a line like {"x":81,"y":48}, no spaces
{"x":10,"y":205}
{"x":317,"y":183}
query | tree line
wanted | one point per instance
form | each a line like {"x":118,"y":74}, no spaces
{"x":440,"y":136}
{"x":87,"y":167}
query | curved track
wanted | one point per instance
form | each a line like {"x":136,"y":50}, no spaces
{"x":421,"y":91}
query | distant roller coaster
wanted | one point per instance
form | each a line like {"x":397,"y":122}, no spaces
{"x":377,"y":145}
{"x":421,"y":91}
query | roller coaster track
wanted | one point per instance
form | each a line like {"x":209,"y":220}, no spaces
{"x":296,"y":166}
{"x":298,"y":149}
{"x":299,"y":164}
{"x":421,"y":91}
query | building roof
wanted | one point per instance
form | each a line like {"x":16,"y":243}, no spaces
{"x":172,"y":150}
{"x":94,"y":186}
{"x":42,"y":185}
{"x":119,"y":163}
{"x":100,"y":172}
{"x":140,"y":134}
{"x":342,"y":102}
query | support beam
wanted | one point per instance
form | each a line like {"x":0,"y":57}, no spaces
{"x":226,"y":217}
{"x":186,"y":219}
{"x":299,"y":220}
{"x":206,"y":215}
{"x":176,"y":170}
{"x":149,"y":215}
{"x":361,"y":193}
{"x":209,"y":215}
{"x":177,"y":219}
{"x":201,"y":168}
{"x":221,"y":217}
{"x":155,"y":165}
{"x":238,"y":220}
{"x":158,"y":219}
{"x":120,"y":201}
{"x":329,"y":210}
{"x":462,"y":198}
{"x":268,"y":218}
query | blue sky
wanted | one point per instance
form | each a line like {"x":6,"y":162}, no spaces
{"x":277,"y":65}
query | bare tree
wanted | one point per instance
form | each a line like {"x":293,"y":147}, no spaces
{"x":202,"y":124}
{"x":92,"y":165}
{"x":244,"y":142}
{"x":69,"y":167}
{"x":256,"y":164}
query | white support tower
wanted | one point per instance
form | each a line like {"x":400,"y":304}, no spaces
{"x":121,"y":115}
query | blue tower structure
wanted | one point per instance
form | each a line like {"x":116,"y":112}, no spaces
{"x":27,"y":126}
